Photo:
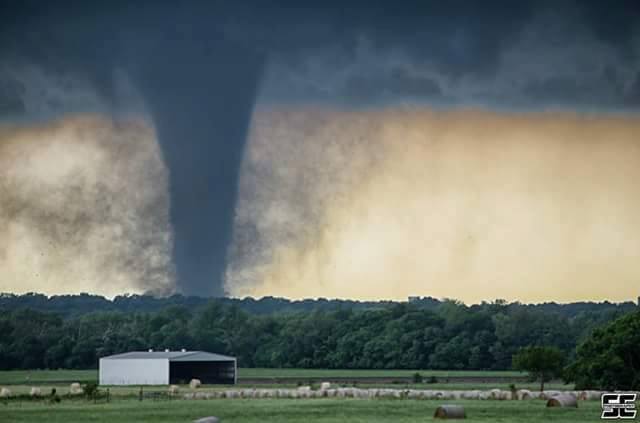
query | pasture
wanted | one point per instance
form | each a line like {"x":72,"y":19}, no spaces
{"x":12,"y":377}
{"x":20,"y":381}
{"x":124,"y":405}
{"x":284,"y":411}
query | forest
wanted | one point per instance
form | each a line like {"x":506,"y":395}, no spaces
{"x":72,"y":332}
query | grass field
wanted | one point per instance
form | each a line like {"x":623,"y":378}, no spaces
{"x":282,"y":373}
{"x":13,"y":377}
{"x":284,"y":411}
{"x":21,"y":381}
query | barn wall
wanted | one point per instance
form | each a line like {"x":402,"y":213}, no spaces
{"x":134,"y":371}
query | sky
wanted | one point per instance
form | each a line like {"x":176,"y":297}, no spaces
{"x":367,"y":150}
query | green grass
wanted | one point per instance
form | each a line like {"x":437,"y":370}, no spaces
{"x":13,"y":377}
{"x":21,"y":381}
{"x":282,"y":373}
{"x":284,"y":411}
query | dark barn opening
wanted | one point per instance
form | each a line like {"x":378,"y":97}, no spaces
{"x":209,"y":372}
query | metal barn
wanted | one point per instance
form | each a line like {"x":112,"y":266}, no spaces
{"x":167,"y":367}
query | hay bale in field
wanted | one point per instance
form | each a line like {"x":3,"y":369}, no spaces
{"x":523,"y":394}
{"x":484,"y":395}
{"x":414,"y":394}
{"x":505,"y":395}
{"x":304,"y":388}
{"x":304,"y":394}
{"x":471,"y":395}
{"x":35,"y":392}
{"x":494,"y":394}
{"x":457,"y":394}
{"x":173,"y":389}
{"x":545,"y":395}
{"x":361,"y":393}
{"x":589,"y":395}
{"x":75,"y":389}
{"x":449,"y":411}
{"x":195,"y":383}
{"x":210,"y":419}
{"x":563,"y":400}
{"x":325,"y":385}
{"x":428,"y":394}
{"x":331,"y":393}
{"x":5,"y":392}
{"x":536,"y":395}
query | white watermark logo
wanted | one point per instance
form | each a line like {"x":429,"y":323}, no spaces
{"x":618,"y":406}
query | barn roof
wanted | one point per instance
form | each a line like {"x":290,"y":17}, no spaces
{"x":172,"y":356}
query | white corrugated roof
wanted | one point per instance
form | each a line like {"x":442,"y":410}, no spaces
{"x":172,"y":356}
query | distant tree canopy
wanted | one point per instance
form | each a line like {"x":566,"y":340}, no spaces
{"x":610,"y":357}
{"x":542,"y":363}
{"x":276,"y":332}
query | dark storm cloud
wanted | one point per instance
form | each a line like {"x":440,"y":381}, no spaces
{"x":200,"y":66}
{"x":540,"y":54}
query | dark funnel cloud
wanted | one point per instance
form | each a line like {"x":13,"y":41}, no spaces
{"x":201,"y":96}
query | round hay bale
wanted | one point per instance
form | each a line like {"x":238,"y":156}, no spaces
{"x":174,"y":389}
{"x":210,"y":419}
{"x":494,"y":394}
{"x":5,"y":392}
{"x":563,"y":400}
{"x":450,"y":411}
{"x":505,"y":395}
{"x":484,"y":395}
{"x":75,"y":389}
{"x":473,"y":394}
{"x":523,"y":394}
{"x":35,"y":392}
{"x":535,"y":395}
{"x":414,"y":394}
{"x":195,"y":383}
{"x":593,"y":395}
{"x":549,"y":394}
{"x":325,"y":385}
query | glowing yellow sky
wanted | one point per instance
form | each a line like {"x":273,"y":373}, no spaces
{"x":472,"y":205}
{"x":376,"y":204}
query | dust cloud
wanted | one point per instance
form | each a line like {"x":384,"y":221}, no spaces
{"x":468,"y":204}
{"x":83,"y":208}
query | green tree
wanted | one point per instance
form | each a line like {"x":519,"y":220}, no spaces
{"x":542,"y":363}
{"x":610,"y":358}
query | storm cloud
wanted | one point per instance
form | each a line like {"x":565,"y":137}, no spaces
{"x":195,"y":72}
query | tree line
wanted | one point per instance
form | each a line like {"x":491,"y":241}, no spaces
{"x":441,"y":335}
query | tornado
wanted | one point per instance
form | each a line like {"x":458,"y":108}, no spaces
{"x":200,"y":92}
